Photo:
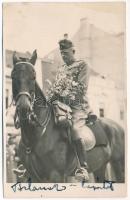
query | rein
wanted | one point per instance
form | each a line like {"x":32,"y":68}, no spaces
{"x":31,"y":116}
{"x":44,"y":124}
{"x":31,"y":119}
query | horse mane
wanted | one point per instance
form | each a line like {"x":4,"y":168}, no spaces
{"x":39,"y":92}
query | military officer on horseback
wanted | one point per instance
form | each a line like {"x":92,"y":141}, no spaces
{"x":70,"y":87}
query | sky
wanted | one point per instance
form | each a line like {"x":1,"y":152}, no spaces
{"x":29,"y":26}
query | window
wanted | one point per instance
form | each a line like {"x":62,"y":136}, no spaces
{"x":121,"y":114}
{"x":101,"y":112}
{"x":7,"y":98}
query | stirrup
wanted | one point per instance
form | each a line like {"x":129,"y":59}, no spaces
{"x":81,"y":174}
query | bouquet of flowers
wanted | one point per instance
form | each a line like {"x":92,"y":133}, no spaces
{"x":62,"y":85}
{"x":66,"y":84}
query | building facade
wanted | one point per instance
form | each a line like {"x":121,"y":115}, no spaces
{"x":105,"y":54}
{"x":106,"y":99}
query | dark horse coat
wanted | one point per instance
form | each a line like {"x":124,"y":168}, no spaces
{"x":44,"y":148}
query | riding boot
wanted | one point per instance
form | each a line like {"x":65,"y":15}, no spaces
{"x":81,"y":152}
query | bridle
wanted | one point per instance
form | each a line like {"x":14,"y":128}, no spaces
{"x":23,"y":93}
{"x":32,"y":119}
{"x":31,"y":116}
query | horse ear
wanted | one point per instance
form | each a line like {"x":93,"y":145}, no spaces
{"x":34,"y":57}
{"x":15,"y":58}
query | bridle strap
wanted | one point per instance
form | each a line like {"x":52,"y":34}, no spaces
{"x":24,"y":93}
{"x":24,"y":63}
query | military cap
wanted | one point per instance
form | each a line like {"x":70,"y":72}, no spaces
{"x":65,"y":43}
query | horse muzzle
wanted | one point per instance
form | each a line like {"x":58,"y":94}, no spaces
{"x":24,"y":110}
{"x":23,"y":105}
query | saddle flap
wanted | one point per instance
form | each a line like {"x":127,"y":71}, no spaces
{"x":100,"y":135}
{"x":62,"y":113}
{"x":62,"y":107}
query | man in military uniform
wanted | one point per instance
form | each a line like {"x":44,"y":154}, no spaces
{"x":70,"y":87}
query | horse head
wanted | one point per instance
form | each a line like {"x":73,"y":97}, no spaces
{"x":23,"y":83}
{"x":45,"y":150}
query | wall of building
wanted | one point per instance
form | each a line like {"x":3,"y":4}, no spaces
{"x":103,"y":95}
{"x":105,"y":54}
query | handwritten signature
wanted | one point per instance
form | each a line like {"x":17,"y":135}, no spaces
{"x":105,"y":185}
{"x":18,"y":186}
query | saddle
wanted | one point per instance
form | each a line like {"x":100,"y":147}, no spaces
{"x":98,"y":131}
{"x":62,"y":114}
{"x":63,"y":118}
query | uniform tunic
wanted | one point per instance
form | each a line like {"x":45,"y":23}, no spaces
{"x":70,"y":87}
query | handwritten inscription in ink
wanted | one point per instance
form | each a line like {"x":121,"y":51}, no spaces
{"x":29,"y":187}
{"x":106,"y":185}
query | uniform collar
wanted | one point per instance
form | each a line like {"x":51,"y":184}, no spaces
{"x":73,"y":65}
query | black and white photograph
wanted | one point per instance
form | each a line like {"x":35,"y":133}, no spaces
{"x":64,"y":99}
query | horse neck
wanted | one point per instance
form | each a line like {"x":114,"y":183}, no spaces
{"x":40,"y":104}
{"x":39,"y":94}
{"x":40,"y":109}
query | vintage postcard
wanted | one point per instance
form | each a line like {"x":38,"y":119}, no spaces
{"x":64,"y":99}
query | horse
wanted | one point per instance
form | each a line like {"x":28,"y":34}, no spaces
{"x":44,"y":148}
